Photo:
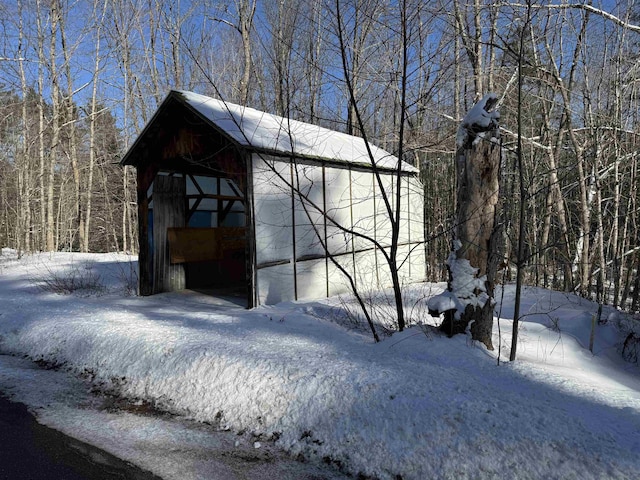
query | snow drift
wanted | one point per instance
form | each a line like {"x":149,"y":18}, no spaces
{"x":416,"y":405}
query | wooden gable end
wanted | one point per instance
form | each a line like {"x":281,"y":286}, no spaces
{"x":178,"y":139}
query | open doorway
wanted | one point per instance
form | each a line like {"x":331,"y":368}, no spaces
{"x":212,"y":244}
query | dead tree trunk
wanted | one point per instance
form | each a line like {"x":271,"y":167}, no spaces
{"x":473,"y":262}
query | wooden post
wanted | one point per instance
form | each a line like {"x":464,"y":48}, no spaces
{"x":144,"y":258}
{"x":250,"y":249}
{"x":168,"y":211}
{"x":144,"y":177}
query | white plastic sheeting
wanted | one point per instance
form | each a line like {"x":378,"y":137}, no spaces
{"x":337,"y":187}
{"x":309,"y":219}
{"x":272,"y":204}
{"x":302,"y":209}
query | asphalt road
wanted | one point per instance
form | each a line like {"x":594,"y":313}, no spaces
{"x":31,"y":451}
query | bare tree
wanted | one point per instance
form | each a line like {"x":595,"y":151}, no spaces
{"x":99,"y":13}
{"x":70,"y":116}
{"x":24,"y":187}
{"x":392,"y":199}
{"x":51,"y":236}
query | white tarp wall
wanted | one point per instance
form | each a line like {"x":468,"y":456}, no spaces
{"x":415,"y":267}
{"x":304,"y":209}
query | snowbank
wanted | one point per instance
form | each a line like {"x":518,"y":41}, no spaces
{"x":415,"y":405}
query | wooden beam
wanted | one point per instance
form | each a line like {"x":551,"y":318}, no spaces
{"x":204,"y":244}
{"x":216,"y":197}
{"x":250,"y":246}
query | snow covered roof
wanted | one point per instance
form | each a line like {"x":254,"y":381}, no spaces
{"x":269,"y":133}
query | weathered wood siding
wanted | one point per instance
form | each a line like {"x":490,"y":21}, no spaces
{"x":145,"y":264}
{"x":168,"y":211}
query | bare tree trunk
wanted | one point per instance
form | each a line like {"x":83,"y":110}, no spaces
{"x":634,"y":196}
{"x":5,"y":234}
{"x":19,"y":220}
{"x":43,"y":225}
{"x":132,"y":219}
{"x":602,"y":279}
{"x":92,"y":131}
{"x":175,"y":36}
{"x":126,"y":245}
{"x":556,"y":197}
{"x":617,"y":246}
{"x":151,"y":32}
{"x":635,"y":298}
{"x":581,"y":260}
{"x":387,"y":197}
{"x":89,"y":187}
{"x":55,"y":128}
{"x":112,"y":223}
{"x":354,"y":71}
{"x":313,"y":73}
{"x":284,"y":19}
{"x":24,"y":190}
{"x":477,"y":67}
{"x":70,"y":117}
{"x":495,"y":11}
{"x":544,"y":239}
{"x":246,"y":10}
{"x":474,"y":259}
{"x":472,"y":42}
{"x":520,"y":259}
{"x":123,"y":45}
{"x":616,"y":251}
{"x":396,"y":216}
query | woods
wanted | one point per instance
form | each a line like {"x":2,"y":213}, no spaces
{"x":79,"y":80}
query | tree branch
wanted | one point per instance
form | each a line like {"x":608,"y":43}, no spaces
{"x":586,"y":8}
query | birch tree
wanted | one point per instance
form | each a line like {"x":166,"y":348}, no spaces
{"x":51,"y":233}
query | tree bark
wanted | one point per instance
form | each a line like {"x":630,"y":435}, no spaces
{"x":246,"y":10}
{"x":24,"y":176}
{"x":92,"y":133}
{"x":70,"y":117}
{"x":476,"y":235}
{"x":51,"y":244}
{"x":42,"y":236}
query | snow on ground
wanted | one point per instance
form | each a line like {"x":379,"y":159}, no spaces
{"x":416,"y":405}
{"x":171,"y":447}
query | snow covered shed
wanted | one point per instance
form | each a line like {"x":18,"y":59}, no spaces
{"x":231,"y":197}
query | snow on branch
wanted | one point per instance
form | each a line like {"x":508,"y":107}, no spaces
{"x":479,"y":119}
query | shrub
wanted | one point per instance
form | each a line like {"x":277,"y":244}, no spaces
{"x":78,"y":279}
